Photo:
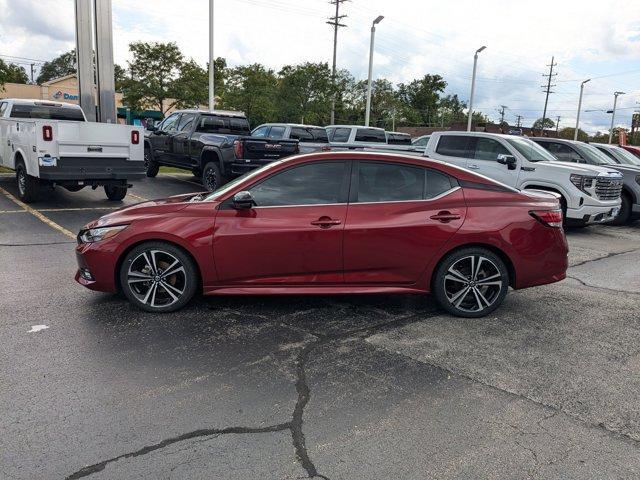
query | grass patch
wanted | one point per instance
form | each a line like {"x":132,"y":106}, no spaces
{"x":174,"y":170}
{"x":5,"y":170}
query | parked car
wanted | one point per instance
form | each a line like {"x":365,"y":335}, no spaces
{"x":629,"y":165}
{"x":51,"y":144}
{"x":589,"y":194}
{"x":414,"y":226}
{"x":215,"y":146}
{"x":310,"y":137}
{"x":632,"y":149}
{"x":357,"y":137}
{"x":579,"y":152}
{"x":421,"y":141}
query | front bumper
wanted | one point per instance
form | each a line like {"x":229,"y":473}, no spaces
{"x":92,"y":169}
{"x":98,"y":260}
{"x":589,"y":214}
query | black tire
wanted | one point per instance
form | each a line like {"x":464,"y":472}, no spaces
{"x":485,"y":290}
{"x":172,"y":292}
{"x":625,"y":211}
{"x":150,"y":165}
{"x":74,"y":188}
{"x":29,"y":188}
{"x":115,"y":193}
{"x":212,"y":179}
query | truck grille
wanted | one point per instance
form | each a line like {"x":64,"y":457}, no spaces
{"x":608,"y":188}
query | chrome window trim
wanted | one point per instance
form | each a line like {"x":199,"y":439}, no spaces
{"x":437,"y":197}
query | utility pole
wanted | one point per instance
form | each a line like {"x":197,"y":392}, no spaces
{"x":557,"y":123}
{"x":549,"y":76}
{"x":369,"y":80}
{"x":518,"y":121}
{"x":212,"y":95}
{"x":575,"y":134}
{"x":335,"y":22}
{"x":32,"y":65}
{"x":502,"y":109}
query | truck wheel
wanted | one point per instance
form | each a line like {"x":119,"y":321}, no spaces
{"x":625,"y":211}
{"x":29,"y":188}
{"x":115,"y":192}
{"x":150,"y":165}
{"x":212,"y":179}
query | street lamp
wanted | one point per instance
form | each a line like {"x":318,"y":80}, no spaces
{"x":613,"y":113}
{"x":212,"y":97}
{"x":473,"y":86}
{"x":575,"y":134}
{"x":373,"y":34}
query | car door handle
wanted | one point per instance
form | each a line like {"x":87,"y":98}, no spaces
{"x":473,"y":166}
{"x":445,"y":216}
{"x":325,"y":222}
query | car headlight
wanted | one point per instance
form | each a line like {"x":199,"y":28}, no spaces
{"x":584,"y":183}
{"x":93,"y":235}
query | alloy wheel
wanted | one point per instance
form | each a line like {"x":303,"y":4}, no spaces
{"x":22,"y":181}
{"x":146,"y":159}
{"x":157,"y":278}
{"x":210,"y":179}
{"x":473,"y":283}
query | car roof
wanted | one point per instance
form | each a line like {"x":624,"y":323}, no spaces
{"x":226,"y":113}
{"x":35,"y":101}
{"x":353,"y":126}
{"x":276,"y":124}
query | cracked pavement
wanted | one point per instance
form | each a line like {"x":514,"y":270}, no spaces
{"x":326,"y":387}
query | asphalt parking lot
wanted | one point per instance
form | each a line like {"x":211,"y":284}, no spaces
{"x":348,"y":387}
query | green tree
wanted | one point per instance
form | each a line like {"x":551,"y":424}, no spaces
{"x":420,"y":98}
{"x":11,"y":73}
{"x":60,"y":66}
{"x":545,"y":123}
{"x":568,"y":132}
{"x":153,"y":70}
{"x":252,"y":89}
{"x":304,"y":93}
{"x":451,"y":110}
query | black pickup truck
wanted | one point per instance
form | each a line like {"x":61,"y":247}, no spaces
{"x":215,"y":146}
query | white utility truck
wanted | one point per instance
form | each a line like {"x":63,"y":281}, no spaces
{"x":51,"y":143}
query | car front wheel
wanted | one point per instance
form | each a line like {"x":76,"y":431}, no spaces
{"x":158,"y":277}
{"x":471,"y":282}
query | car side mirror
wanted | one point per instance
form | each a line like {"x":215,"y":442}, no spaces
{"x":152,"y":128}
{"x":508,"y":160}
{"x":243,"y":200}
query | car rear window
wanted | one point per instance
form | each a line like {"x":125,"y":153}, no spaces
{"x":47,"y":112}
{"x":309,"y":134}
{"x":370,"y":135}
{"x":240,"y":126}
{"x":398,"y":139}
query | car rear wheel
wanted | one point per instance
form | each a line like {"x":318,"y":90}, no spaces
{"x":212,"y":179}
{"x":471,"y":282}
{"x":158,"y":277}
{"x":151,"y":167}
{"x":115,"y":192}
{"x":29,"y":188}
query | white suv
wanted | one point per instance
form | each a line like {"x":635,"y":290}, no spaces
{"x":590,"y":194}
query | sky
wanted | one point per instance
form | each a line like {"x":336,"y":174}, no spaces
{"x":588,"y":39}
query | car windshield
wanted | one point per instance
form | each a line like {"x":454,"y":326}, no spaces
{"x":530,"y":150}
{"x":625,"y":157}
{"x":216,"y":194}
{"x":593,"y":155}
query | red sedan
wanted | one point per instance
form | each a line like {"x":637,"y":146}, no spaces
{"x":332,"y":223}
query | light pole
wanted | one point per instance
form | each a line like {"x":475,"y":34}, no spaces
{"x":575,"y":134}
{"x":473,"y":86}
{"x":212,"y":98}
{"x":613,"y":114}
{"x":373,"y":34}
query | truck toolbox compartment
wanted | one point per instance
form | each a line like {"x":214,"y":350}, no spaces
{"x":83,"y":168}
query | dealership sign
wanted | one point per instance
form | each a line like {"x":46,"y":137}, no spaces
{"x":64,"y":95}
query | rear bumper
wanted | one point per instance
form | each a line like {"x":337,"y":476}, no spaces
{"x":90,"y":169}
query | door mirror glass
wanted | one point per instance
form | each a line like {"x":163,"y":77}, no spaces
{"x":508,"y":160}
{"x":243,"y":200}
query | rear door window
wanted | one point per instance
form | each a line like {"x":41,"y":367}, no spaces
{"x":276,"y":132}
{"x":239,"y":126}
{"x":488,"y":149}
{"x":453,"y":146}
{"x":370,"y":135}
{"x":186,"y":122}
{"x":260,"y":132}
{"x":389,"y":182}
{"x":341,"y":135}
{"x":306,"y":134}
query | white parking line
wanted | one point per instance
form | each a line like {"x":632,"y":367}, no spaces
{"x":138,"y":197}
{"x":76,"y":209}
{"x":37,"y":214}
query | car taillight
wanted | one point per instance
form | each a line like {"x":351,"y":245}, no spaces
{"x":549,"y":218}
{"x":238,"y":148}
{"x":135,"y":137}
{"x":47,"y":133}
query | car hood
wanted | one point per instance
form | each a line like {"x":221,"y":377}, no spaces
{"x":580,"y":168}
{"x":626,"y":168}
{"x":144,"y":209}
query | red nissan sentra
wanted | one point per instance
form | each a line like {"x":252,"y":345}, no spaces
{"x":332,"y":223}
